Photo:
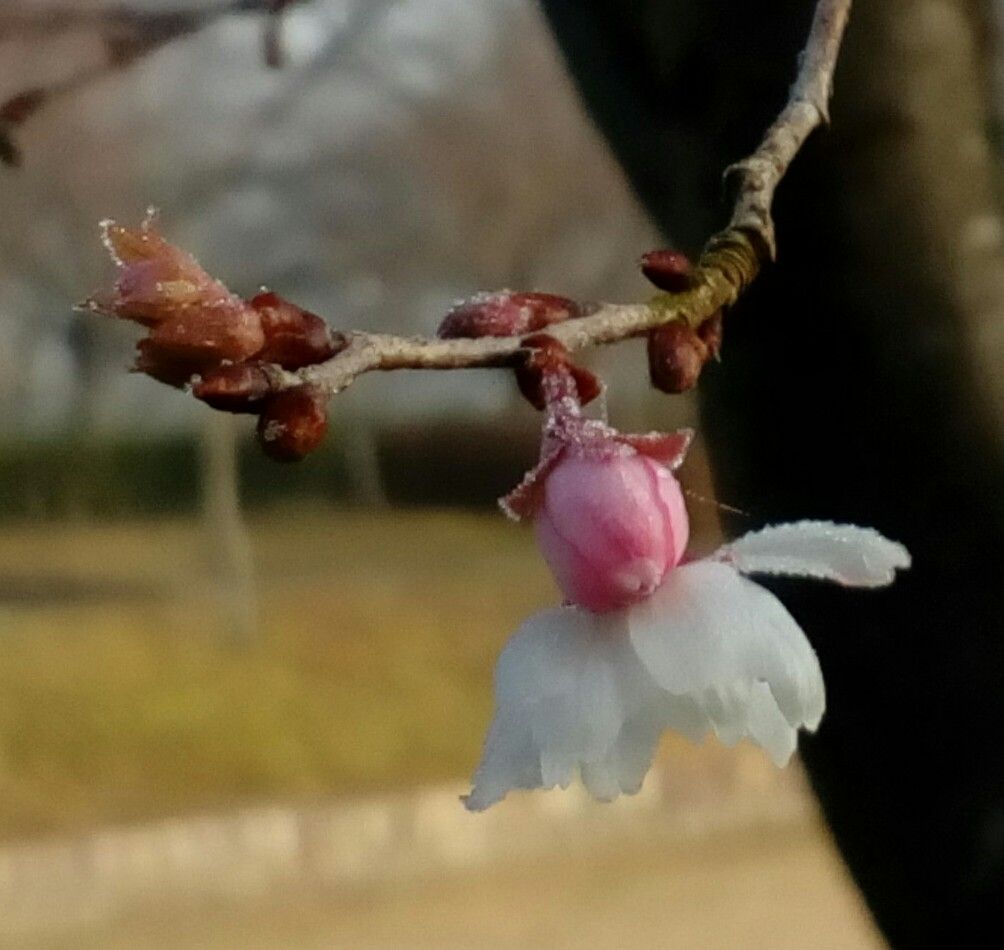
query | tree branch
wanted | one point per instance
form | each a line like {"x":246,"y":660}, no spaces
{"x":729,"y":263}
{"x":128,"y":37}
{"x":16,"y":24}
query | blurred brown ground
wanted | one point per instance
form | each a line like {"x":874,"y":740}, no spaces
{"x":771,"y":889}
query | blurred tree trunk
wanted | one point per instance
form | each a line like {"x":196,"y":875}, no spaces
{"x":227,"y":553}
{"x":860,"y":382}
{"x":359,"y":439}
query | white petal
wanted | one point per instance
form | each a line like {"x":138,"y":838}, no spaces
{"x":767,"y":726}
{"x":509,"y":760}
{"x":624,"y":769}
{"x":711,"y":635}
{"x":592,"y":693}
{"x":857,"y":557}
{"x":565,"y":685}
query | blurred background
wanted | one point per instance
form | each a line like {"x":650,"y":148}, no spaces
{"x":238,"y":700}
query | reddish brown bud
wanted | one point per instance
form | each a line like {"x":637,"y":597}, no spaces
{"x":293,"y":423}
{"x":294,"y":337}
{"x":668,"y":270}
{"x":23,"y":106}
{"x":676,"y":355}
{"x":506,"y":314}
{"x":548,"y":355}
{"x":710,"y":333}
{"x":157,"y":281}
{"x":212,"y":334}
{"x":166,"y":366}
{"x":236,"y":387}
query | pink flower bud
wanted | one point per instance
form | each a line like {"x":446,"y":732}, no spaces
{"x":610,"y":527}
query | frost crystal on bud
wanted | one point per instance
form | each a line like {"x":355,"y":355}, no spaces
{"x":201,"y":333}
{"x":194,"y":321}
{"x":157,"y":281}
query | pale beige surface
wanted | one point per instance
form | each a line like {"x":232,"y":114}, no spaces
{"x":749,"y":890}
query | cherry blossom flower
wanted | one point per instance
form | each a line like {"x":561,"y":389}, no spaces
{"x":649,"y":643}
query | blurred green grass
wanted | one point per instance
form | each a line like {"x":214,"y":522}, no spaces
{"x":121,"y":697}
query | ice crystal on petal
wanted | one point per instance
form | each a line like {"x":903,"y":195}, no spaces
{"x":846,"y":554}
{"x":586,"y":694}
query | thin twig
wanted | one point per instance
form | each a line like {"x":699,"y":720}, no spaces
{"x":128,"y":36}
{"x":729,"y":263}
{"x":22,"y":23}
{"x":807,"y":108}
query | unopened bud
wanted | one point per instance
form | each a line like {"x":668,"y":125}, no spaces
{"x":294,"y":337}
{"x":166,"y":366}
{"x":236,"y":387}
{"x":211,"y":333}
{"x":668,"y":270}
{"x":611,"y":527}
{"x":157,"y":281}
{"x":293,"y":423}
{"x":506,"y":314}
{"x":676,"y":355}
{"x":548,"y":356}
